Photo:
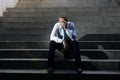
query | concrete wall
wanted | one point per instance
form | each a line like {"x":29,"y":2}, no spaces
{"x":6,"y":3}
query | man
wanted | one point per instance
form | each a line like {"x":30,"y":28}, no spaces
{"x":62,"y":38}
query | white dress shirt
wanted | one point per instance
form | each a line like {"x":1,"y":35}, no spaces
{"x":57,"y":33}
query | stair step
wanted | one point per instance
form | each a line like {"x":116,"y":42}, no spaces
{"x":27,"y":1}
{"x":24,"y":45}
{"x":81,"y":31}
{"x":86,"y":75}
{"x":74,"y":3}
{"x":80,"y":18}
{"x":66,"y":5}
{"x":84,"y":45}
{"x":23,"y":71}
{"x":52,"y":0}
{"x":27,"y":25}
{"x":32,"y":14}
{"x":47,"y":50}
{"x":49,"y":25}
{"x":70,"y":60}
{"x":28,"y":19}
{"x":10,"y":71}
{"x":33,"y":19}
{"x":37,"y":0}
{"x":25,"y":31}
{"x":87,"y":64}
{"x":51,"y":15}
{"x":72,"y":9}
{"x":46,"y":31}
{"x":40,"y":53}
{"x":69,"y":3}
{"x":56,"y":4}
{"x":24,"y":37}
{"x":102,"y":37}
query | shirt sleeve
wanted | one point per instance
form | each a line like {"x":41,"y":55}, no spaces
{"x":54,"y":34}
{"x":71,"y":31}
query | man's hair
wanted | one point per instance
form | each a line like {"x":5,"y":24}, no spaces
{"x":64,"y":17}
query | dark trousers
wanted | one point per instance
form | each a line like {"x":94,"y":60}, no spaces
{"x":73,"y":52}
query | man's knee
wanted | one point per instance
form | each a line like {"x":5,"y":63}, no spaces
{"x":75,"y":43}
{"x":52,"y":43}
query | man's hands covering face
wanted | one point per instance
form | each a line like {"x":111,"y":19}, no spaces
{"x":63,"y":24}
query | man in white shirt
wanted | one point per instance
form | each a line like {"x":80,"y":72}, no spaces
{"x":62,"y":38}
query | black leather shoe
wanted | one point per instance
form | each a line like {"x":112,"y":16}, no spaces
{"x":50,"y":70}
{"x":79,"y":70}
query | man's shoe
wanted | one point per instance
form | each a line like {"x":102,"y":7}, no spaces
{"x":79,"y":70}
{"x":50,"y":70}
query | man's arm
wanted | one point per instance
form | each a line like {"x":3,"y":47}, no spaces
{"x":54,"y":35}
{"x":72,"y":31}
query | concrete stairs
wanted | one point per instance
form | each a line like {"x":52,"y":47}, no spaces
{"x":25,"y":31}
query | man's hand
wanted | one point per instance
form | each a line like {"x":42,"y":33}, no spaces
{"x":64,"y":24}
{"x":66,"y":47}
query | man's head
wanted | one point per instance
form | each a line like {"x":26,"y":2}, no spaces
{"x":63,"y":18}
{"x":63,"y":21}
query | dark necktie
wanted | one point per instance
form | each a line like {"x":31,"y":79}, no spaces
{"x":66,"y":38}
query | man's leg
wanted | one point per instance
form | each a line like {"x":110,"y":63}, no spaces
{"x":76,"y":54}
{"x":51,"y":56}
